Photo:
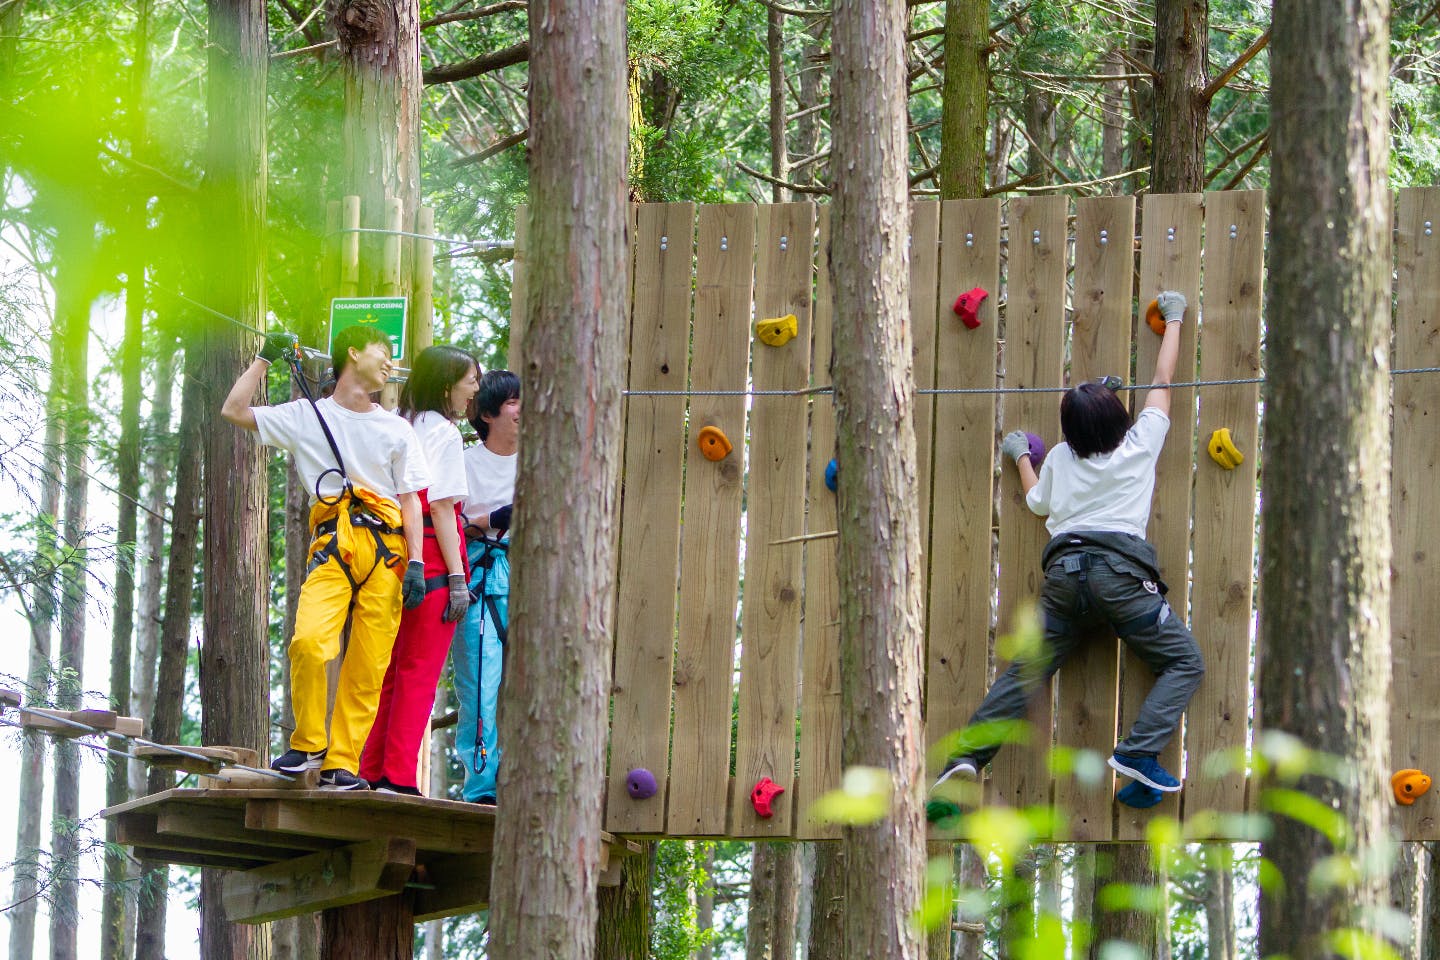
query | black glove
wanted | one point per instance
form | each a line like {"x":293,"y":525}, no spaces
{"x":276,"y":344}
{"x":459,"y":599}
{"x":500,"y":517}
{"x":412,"y":591}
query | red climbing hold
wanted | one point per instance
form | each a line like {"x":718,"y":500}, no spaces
{"x":761,"y":795}
{"x":967,"y":305}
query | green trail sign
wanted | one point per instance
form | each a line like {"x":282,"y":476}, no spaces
{"x":385,"y":313}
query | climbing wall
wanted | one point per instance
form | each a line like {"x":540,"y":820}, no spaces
{"x":726,"y":670}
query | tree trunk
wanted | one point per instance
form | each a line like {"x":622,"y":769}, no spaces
{"x":1405,"y":885}
{"x":1429,"y":928}
{"x":72,"y":309}
{"x":881,"y":607}
{"x":625,"y":921}
{"x":938,"y":939}
{"x":827,"y":917}
{"x":555,"y":696}
{"x":965,"y":100}
{"x":1082,"y":881}
{"x":1325,"y":575}
{"x":971,"y":945}
{"x":1112,"y":119}
{"x":1039,"y":120}
{"x":1182,"y":112}
{"x":705,"y":904}
{"x":159,"y":467}
{"x":1127,"y":864}
{"x":1142,"y":104}
{"x":807,"y":127}
{"x":235,"y":654}
{"x":382,"y":929}
{"x":1219,"y":901}
{"x":164,"y":726}
{"x":775,"y":49}
{"x":379,"y":47}
{"x":115,"y":916}
{"x":30,"y":785}
{"x":760,"y":915}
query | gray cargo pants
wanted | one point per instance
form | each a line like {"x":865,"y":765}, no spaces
{"x":1082,"y":589}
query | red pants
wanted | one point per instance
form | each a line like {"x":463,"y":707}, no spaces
{"x":392,"y":750}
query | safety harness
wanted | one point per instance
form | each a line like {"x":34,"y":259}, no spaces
{"x":480,"y":757}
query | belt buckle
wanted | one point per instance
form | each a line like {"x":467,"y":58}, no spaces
{"x":1075,"y":563}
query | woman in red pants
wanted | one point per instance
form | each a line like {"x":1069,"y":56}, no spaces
{"x":441,"y":385}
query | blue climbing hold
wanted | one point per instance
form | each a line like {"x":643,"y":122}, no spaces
{"x":832,"y":473}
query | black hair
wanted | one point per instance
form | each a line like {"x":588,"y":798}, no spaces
{"x":359,"y":336}
{"x":434,"y":374}
{"x":1093,"y":419}
{"x":496,"y":387}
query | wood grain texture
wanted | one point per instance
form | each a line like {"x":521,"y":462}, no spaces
{"x":775,"y":508}
{"x":710,"y":532}
{"x":1034,"y":357}
{"x":1225,"y":520}
{"x":650,"y":515}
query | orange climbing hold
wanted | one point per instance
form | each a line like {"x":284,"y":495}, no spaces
{"x":1409,"y":784}
{"x":714,"y":445}
{"x":1155,"y":318}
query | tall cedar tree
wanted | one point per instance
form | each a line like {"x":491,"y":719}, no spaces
{"x":1325,"y":578}
{"x":572,"y":368}
{"x":234,"y":657}
{"x":881,"y":610}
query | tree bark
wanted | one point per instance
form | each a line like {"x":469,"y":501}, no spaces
{"x":1429,"y":929}
{"x":382,"y":929}
{"x":625,"y":917}
{"x":1405,"y":890}
{"x":1182,"y":111}
{"x":234,"y":656}
{"x":760,"y":915}
{"x":1112,"y":119}
{"x":554,"y":699}
{"x":827,"y":917}
{"x":1128,"y":864}
{"x":965,"y":99}
{"x":74,"y":260}
{"x":1324,"y":664}
{"x":881,"y":607}
{"x":939,"y":938}
{"x":971,"y":946}
{"x":1082,"y":880}
{"x":705,"y":904}
{"x":775,"y":51}
{"x":164,"y":726}
{"x":30,"y":787}
{"x":379,"y":47}
{"x":807,"y":127}
{"x":1219,"y":901}
{"x":115,"y":915}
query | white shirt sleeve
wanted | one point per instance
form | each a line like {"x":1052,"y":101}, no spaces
{"x":282,"y":425}
{"x":1150,"y":428}
{"x":408,"y":466}
{"x":1038,"y":499}
{"x":447,"y":465}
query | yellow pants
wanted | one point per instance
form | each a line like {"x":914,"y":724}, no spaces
{"x":325,"y":602}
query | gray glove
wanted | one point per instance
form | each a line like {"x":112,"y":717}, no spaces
{"x":412,"y":589}
{"x":276,"y":345}
{"x":459,"y":600}
{"x":1015,"y":445}
{"x":1172,"y":306}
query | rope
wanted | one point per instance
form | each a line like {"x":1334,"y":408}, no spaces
{"x":951,"y":391}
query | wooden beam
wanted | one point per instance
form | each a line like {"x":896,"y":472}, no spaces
{"x":172,"y":756}
{"x":141,"y":830}
{"x":228,"y":823}
{"x":363,"y":817}
{"x":53,"y":722}
{"x":8,"y":698}
{"x":363,"y":871}
{"x":451,"y":885}
{"x":183,"y":859}
{"x":238,"y":779}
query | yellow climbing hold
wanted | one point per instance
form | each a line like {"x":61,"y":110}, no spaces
{"x":777,"y":331}
{"x":1223,"y":451}
{"x":713,"y":443}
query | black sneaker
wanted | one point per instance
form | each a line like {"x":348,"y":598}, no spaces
{"x":338,"y":779}
{"x":297,"y":761}
{"x":383,"y":785}
{"x":963,"y":768}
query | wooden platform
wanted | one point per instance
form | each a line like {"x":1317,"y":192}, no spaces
{"x":299,"y":851}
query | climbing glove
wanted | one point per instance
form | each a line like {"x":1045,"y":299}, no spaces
{"x":1015,"y":445}
{"x":459,"y":599}
{"x":276,"y":344}
{"x":500,"y":518}
{"x":413,"y":589}
{"x":1172,"y":306}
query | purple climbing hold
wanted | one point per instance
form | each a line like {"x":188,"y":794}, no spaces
{"x":1037,"y":451}
{"x":640,"y":784}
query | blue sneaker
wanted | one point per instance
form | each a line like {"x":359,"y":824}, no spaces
{"x":1146,"y":770}
{"x":1137,"y":795}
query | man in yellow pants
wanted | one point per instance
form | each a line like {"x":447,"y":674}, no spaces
{"x":364,"y":467}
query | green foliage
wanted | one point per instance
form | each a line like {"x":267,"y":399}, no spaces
{"x":680,"y":876}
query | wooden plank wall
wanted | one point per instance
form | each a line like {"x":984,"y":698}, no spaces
{"x":1062,"y":308}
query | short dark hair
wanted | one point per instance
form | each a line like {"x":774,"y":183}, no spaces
{"x":496,"y":387}
{"x":1093,"y":419}
{"x":435,"y":372}
{"x":359,"y":336}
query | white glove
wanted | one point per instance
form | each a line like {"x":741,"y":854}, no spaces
{"x":1015,"y":445}
{"x":1172,"y":306}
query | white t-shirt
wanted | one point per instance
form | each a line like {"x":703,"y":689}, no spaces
{"x":444,"y":455}
{"x":380,"y":449}
{"x":490,"y":479}
{"x":1109,"y":491}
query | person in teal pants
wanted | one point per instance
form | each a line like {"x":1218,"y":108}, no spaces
{"x":479,"y":649}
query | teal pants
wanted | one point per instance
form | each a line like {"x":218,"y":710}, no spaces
{"x":478,"y":655}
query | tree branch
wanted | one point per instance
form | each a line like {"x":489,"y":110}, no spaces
{"x":498,"y":146}
{"x":490,"y":10}
{"x":1229,"y":72}
{"x":819,"y":189}
{"x":477,"y":66}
